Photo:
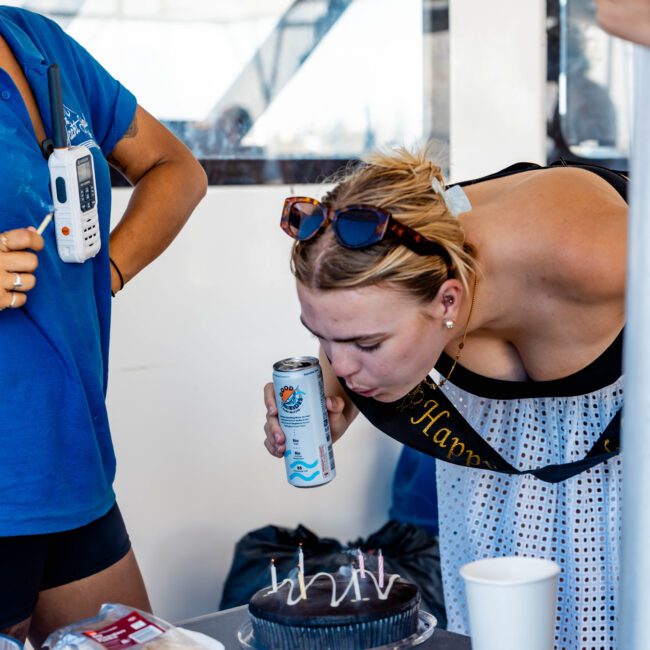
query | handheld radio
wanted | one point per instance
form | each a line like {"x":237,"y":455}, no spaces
{"x":72,"y":182}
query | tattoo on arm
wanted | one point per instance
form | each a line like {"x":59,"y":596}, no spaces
{"x":132,"y":131}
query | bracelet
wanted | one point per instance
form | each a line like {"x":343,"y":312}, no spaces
{"x":119,"y":275}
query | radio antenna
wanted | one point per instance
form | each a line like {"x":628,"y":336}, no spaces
{"x":59,"y":133}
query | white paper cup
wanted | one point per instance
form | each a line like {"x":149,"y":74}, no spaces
{"x":511,"y":602}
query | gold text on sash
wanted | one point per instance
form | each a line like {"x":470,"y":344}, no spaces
{"x":444,"y":437}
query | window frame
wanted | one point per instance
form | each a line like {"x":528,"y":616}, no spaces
{"x":556,"y":19}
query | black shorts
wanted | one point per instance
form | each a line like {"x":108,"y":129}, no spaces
{"x":30,"y":564}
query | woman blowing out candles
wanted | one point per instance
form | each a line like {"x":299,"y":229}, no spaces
{"x":517,"y":300}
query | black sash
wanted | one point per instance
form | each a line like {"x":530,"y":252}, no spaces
{"x":426,"y":420}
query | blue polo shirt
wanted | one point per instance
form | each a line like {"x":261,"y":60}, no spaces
{"x":56,"y":462}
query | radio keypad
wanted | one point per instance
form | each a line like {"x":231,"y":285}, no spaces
{"x":87,"y":197}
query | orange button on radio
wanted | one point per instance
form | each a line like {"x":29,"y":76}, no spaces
{"x":65,"y":230}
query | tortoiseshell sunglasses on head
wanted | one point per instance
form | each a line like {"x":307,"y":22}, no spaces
{"x":355,"y":226}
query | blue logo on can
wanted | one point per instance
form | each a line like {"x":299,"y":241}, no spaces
{"x":291,"y":398}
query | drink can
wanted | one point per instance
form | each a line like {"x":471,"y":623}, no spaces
{"x":300,"y":396}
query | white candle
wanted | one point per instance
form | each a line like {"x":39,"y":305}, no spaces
{"x":301,"y":559}
{"x":381,"y":569}
{"x":355,"y":584}
{"x":362,"y":567}
{"x":301,"y":584}
{"x":274,"y":576}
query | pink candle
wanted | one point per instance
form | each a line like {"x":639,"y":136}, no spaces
{"x":274,"y":576}
{"x":381,"y":569}
{"x":362,"y":567}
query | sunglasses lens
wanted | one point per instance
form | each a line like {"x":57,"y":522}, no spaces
{"x":304,"y":220}
{"x":357,"y":228}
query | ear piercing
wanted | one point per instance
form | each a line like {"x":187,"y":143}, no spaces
{"x":449,"y":300}
{"x":449,"y":324}
{"x":461,"y":345}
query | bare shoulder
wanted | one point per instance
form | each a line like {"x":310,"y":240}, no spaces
{"x":586,"y":232}
{"x":552,"y":244}
{"x":566,"y":228}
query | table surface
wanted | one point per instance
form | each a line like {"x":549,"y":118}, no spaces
{"x":224,"y":625}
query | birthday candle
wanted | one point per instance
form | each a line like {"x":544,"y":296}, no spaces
{"x":355,"y":584}
{"x":274,"y":576}
{"x":301,"y":559}
{"x":362,"y":567}
{"x":381,"y":569}
{"x":301,"y":584}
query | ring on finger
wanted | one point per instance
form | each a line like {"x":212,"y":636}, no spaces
{"x":18,"y":282}
{"x":12,"y":304}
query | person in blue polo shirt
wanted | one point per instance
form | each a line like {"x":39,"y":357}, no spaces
{"x":64,"y":549}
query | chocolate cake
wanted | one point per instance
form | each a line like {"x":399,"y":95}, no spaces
{"x":331,"y":615}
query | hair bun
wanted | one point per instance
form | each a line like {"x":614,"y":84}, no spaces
{"x":427,"y":166}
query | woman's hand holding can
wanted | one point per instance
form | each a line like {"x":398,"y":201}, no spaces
{"x":275,"y":441}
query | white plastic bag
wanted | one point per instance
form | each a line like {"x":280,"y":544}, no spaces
{"x":118,"y":627}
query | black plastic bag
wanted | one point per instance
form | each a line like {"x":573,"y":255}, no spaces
{"x":413,"y":553}
{"x":250,"y":569}
{"x":408,"y":550}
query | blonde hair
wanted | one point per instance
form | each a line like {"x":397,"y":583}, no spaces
{"x":397,"y":180}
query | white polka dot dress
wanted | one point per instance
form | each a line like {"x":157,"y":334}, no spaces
{"x":576,"y":523}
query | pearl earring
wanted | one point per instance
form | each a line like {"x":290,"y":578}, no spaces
{"x":449,"y":324}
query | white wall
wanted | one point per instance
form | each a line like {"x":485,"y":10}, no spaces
{"x":497,"y":53}
{"x":193,"y":341}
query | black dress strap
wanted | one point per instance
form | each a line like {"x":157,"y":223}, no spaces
{"x":517,"y":168}
{"x":617,"y":179}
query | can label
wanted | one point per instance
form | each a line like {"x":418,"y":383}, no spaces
{"x":300,"y":396}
